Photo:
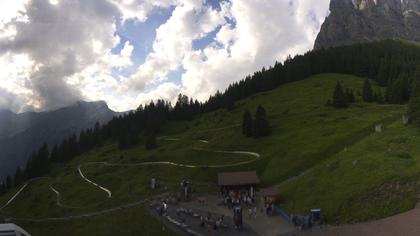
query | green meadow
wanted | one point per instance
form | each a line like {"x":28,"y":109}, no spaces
{"x":318,"y":156}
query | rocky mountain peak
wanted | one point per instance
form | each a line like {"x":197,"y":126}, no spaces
{"x":360,"y":21}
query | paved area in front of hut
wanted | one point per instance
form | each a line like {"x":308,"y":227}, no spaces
{"x":203,"y":204}
{"x":178,"y":219}
{"x":261,"y":224}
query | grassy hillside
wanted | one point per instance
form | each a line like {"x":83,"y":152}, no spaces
{"x":376,"y":177}
{"x":305,"y":133}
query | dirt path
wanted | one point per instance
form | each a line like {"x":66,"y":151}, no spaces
{"x":14,"y":196}
{"x":91,"y":214}
{"x":254,"y":157}
{"x":407,"y":224}
{"x":58,"y":200}
{"x":90,"y":181}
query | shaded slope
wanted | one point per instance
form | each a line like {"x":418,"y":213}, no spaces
{"x":303,"y":130}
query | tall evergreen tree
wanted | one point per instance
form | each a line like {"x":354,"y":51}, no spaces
{"x":367,"y":92}
{"x":151,"y":140}
{"x":19,"y":177}
{"x":43,"y":160}
{"x":247,"y":124}
{"x":350,"y":96}
{"x":395,"y":92}
{"x":55,"y":154}
{"x":379,"y":97}
{"x":123,"y":141}
{"x":339,"y":98}
{"x":261,"y":125}
{"x":9,"y":183}
{"x":414,"y":104}
{"x":3,"y":189}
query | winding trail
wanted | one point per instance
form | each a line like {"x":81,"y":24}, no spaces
{"x":91,"y":214}
{"x":93,"y":183}
{"x":58,"y":200}
{"x":14,"y":196}
{"x":254,"y":157}
{"x":19,"y":191}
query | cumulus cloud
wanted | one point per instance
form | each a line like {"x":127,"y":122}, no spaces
{"x":252,"y":34}
{"x":256,"y":40}
{"x":11,"y":101}
{"x":189,"y":21}
{"x":61,"y":43}
{"x":58,"y":51}
{"x":140,"y":9}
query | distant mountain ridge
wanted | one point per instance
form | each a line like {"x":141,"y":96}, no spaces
{"x":361,"y":21}
{"x":20,"y":134}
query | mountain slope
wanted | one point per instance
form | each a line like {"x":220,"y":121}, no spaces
{"x":376,"y":177}
{"x":20,"y":134}
{"x":361,"y":21}
{"x":304,"y":133}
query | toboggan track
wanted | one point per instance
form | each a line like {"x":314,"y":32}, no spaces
{"x":255,"y":156}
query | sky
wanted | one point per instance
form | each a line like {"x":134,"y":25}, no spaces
{"x":129,"y":52}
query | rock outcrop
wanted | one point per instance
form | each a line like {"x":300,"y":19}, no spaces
{"x":361,"y":21}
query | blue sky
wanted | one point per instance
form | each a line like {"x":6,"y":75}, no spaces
{"x":142,"y":35}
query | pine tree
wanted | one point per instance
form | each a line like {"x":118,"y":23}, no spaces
{"x":261,"y":125}
{"x":367,"y":92}
{"x":350,"y":96}
{"x":379,"y":97}
{"x":123,"y":141}
{"x":247,"y":124}
{"x":329,"y":103}
{"x":43,"y":160}
{"x":134,"y":139}
{"x":339,"y":99}
{"x":414,"y":104}
{"x":151,"y":140}
{"x":19,"y":177}
{"x":55,"y":154}
{"x":388,"y":92}
{"x":394,"y":92}
{"x":2,"y":188}
{"x":8,"y":182}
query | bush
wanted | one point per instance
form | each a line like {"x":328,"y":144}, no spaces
{"x":404,"y":155}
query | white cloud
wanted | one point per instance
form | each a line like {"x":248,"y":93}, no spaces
{"x":57,"y":51}
{"x":13,"y":93}
{"x":166,"y":91}
{"x":189,"y":21}
{"x":263,"y":32}
{"x":61,"y":43}
{"x":140,"y":9}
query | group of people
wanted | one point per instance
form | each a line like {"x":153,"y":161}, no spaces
{"x":212,"y":225}
{"x":185,"y":191}
{"x":233,"y":199}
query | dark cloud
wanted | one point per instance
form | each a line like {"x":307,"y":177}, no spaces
{"x":13,"y":102}
{"x":59,"y":38}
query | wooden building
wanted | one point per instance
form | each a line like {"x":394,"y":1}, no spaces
{"x":238,"y":181}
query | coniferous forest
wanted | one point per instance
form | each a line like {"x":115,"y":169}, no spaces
{"x":390,"y":64}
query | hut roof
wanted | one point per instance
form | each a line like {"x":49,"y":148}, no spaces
{"x":238,"y":178}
